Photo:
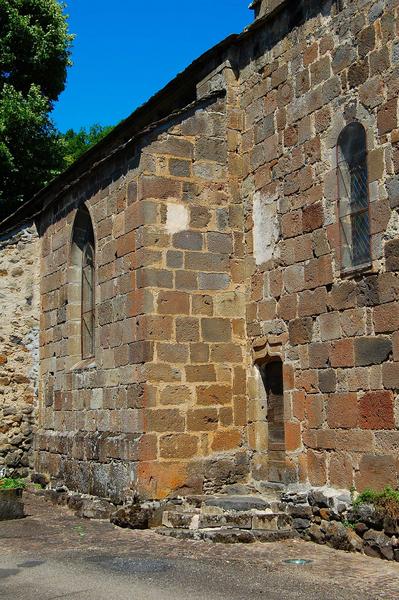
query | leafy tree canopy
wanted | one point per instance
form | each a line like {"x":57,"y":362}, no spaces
{"x":34,"y":56}
{"x":31,"y":153}
{"x":77,"y":142}
{"x":34,"y":46}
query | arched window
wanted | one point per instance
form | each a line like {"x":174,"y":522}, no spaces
{"x":353,"y":192}
{"x":83,"y":263}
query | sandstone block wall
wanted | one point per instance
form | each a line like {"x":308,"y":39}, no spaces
{"x":217,"y":251}
{"x":19,"y":344}
{"x":336,"y":333}
{"x":167,"y":387}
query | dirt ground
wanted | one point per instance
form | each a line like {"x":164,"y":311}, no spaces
{"x":52,"y":554}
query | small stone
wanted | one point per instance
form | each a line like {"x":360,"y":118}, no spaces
{"x":379,"y":543}
{"x":11,"y":505}
{"x":317,"y":497}
{"x":40,"y":479}
{"x":230,"y":536}
{"x":301,"y":511}
{"x":391,"y":526}
{"x":341,"y":538}
{"x":315,"y":534}
{"x":366,"y":513}
{"x":355,"y":541}
{"x":132,"y":517}
{"x":387,"y":552}
{"x":392,"y":186}
{"x":325,"y":514}
{"x":75,"y":503}
{"x":360,"y":529}
{"x":376,"y":11}
{"x":301,"y":524}
{"x":372,"y":552}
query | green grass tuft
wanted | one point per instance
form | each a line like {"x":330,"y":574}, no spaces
{"x":385,"y":502}
{"x":10,"y":483}
{"x":369,"y":496}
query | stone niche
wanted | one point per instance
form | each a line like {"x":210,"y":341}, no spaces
{"x":266,"y":427}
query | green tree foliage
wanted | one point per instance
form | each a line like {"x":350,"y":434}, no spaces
{"x":77,"y":142}
{"x":34,"y":56}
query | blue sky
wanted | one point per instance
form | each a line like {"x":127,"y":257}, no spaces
{"x":126,"y":50}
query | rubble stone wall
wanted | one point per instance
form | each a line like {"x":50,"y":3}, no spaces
{"x":19,"y":344}
{"x":310,"y":71}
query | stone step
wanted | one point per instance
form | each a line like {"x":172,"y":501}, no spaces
{"x":262,"y":520}
{"x":239,"y":536}
{"x":177,"y":519}
{"x":229,"y":536}
{"x":237,"y":503}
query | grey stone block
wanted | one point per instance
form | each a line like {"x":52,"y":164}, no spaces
{"x":238,"y":503}
{"x":11,"y":505}
{"x":233,"y":520}
{"x":229,"y":536}
{"x":392,"y":186}
{"x":372,"y":350}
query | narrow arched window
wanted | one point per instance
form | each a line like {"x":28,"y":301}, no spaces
{"x":353,"y":196}
{"x":83,"y":263}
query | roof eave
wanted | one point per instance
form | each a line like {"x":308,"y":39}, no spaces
{"x":169,"y":97}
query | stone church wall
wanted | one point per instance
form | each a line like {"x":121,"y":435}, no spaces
{"x":167,"y":386}
{"x":19,"y":344}
{"x":310,"y":71}
{"x":218,"y":274}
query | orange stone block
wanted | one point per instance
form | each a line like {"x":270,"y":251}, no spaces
{"x":377,"y":410}
{"x":342,"y":353}
{"x":147,"y":447}
{"x":341,"y":470}
{"x":376,"y":472}
{"x":298,"y":404}
{"x":317,"y":468}
{"x":178,"y":445}
{"x":156,"y":480}
{"x":314,"y":405}
{"x":342,"y":411}
{"x":226,"y":440}
{"x":293,"y":438}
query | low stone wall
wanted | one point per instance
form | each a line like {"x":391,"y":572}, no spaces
{"x":329,"y":517}
{"x":19,"y":341}
{"x":321,"y":515}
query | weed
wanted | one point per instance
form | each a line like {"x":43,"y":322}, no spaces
{"x":10,"y":483}
{"x":80,"y":530}
{"x":385,"y":502}
{"x":349,"y":524}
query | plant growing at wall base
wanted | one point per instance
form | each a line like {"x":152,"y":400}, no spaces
{"x":385,"y":502}
{"x":10,"y":483}
{"x":349,"y":524}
